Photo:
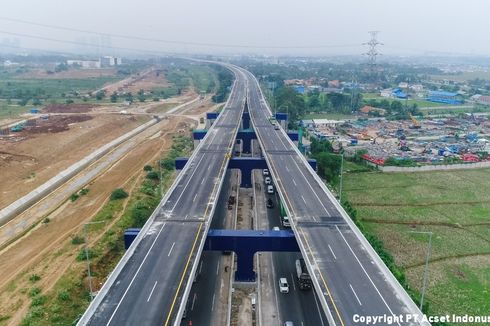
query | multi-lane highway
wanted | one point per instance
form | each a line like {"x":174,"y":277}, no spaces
{"x":349,"y":277}
{"x":151,"y":280}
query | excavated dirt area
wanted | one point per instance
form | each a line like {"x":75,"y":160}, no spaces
{"x":69,"y":108}
{"x":31,"y":157}
{"x":47,"y":250}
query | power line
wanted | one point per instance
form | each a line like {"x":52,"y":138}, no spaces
{"x":202,"y":44}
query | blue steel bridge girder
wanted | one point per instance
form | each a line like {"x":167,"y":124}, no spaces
{"x":244,"y":243}
{"x":245,"y":164}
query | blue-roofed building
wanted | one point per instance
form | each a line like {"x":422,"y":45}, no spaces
{"x":299,"y":89}
{"x":398,"y":93}
{"x":444,"y":97}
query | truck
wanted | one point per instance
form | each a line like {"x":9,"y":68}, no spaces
{"x":304,"y":278}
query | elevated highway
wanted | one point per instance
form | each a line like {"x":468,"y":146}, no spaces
{"x":349,"y":277}
{"x":150,"y":283}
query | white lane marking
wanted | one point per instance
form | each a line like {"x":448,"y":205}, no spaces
{"x":204,"y":179}
{"x":362,"y":267}
{"x":200,"y":267}
{"x":318,"y":308}
{"x":294,"y":182}
{"x":135,"y":274}
{"x":333,"y":254}
{"x":303,"y":198}
{"x":193,"y":301}
{"x":319,"y":200}
{"x":294,"y":285}
{"x":188,"y":181}
{"x":287,"y":168}
{"x":217,"y":268}
{"x":195,"y":196}
{"x":172,"y":248}
{"x":352,"y":289}
{"x":153,"y":289}
{"x":209,"y":167}
{"x":185,"y":218}
{"x":212,"y":304}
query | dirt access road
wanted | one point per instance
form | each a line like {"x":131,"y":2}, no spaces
{"x":46,"y":250}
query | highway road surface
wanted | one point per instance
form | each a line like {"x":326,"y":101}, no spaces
{"x":348,"y":278}
{"x":299,"y":306}
{"x":151,"y":281}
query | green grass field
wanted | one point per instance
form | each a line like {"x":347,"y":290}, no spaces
{"x":464,"y":76}
{"x":455,"y":206}
{"x":420,"y":102}
{"x":12,"y":111}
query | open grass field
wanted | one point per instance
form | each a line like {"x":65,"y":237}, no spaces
{"x":455,"y":206}
{"x":468,"y":75}
{"x":11,"y":110}
{"x":421,"y":103}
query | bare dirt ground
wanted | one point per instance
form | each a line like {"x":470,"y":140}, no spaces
{"x":145,"y":80}
{"x":68,"y":74}
{"x":68,"y":108}
{"x":47,"y":250}
{"x":31,"y":158}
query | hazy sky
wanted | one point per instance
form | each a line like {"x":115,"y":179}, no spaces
{"x":406,"y":27}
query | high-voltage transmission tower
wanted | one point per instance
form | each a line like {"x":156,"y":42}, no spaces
{"x":373,"y":53}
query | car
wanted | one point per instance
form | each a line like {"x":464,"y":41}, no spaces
{"x":265,"y":172}
{"x":276,"y":228}
{"x":270,"y":189}
{"x":283,"y":285}
{"x":276,"y":127}
{"x":288,"y":323}
{"x":270,"y":203}
{"x":285,"y":222}
{"x":267,"y":180}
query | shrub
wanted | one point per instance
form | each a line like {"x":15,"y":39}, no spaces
{"x":147,"y":168}
{"x":84,"y":191}
{"x":46,"y":220}
{"x":82,"y":255}
{"x":34,"y":278}
{"x":119,"y":193}
{"x":34,"y":291}
{"x":63,"y":295}
{"x":153,"y":175}
{"x":77,"y":240}
{"x":74,"y":197}
{"x":38,"y":300}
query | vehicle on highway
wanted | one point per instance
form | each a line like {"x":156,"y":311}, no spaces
{"x":288,"y":323}
{"x":265,"y":172}
{"x":304,"y":277}
{"x":270,"y":203}
{"x":283,"y":285}
{"x":276,"y":127}
{"x":285,"y":221}
{"x":267,"y":180}
{"x":270,"y":189}
{"x":276,"y":228}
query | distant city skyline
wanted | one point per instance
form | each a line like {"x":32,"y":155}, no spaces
{"x":311,"y":27}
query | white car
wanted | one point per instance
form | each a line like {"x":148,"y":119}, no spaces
{"x":267,"y":180}
{"x":276,"y":228}
{"x":283,"y":285}
{"x":270,"y":189}
{"x":265,"y":172}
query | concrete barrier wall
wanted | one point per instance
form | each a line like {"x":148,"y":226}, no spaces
{"x":21,"y":204}
{"x":424,"y":168}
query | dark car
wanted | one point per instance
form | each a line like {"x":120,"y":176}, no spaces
{"x":270,"y":203}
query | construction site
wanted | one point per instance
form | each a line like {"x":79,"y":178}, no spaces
{"x":457,"y":139}
{"x":60,"y":164}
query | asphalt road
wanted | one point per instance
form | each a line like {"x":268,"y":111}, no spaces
{"x":350,"y":282}
{"x":203,"y":300}
{"x":299,"y":306}
{"x":148,"y":286}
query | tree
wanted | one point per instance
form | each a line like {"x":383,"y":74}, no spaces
{"x":119,"y":193}
{"x":114,"y":97}
{"x":329,"y":166}
{"x":100,"y":95}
